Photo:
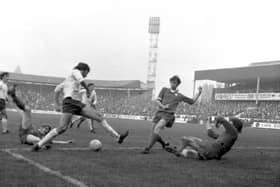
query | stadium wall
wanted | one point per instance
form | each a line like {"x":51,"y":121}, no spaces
{"x":183,"y":119}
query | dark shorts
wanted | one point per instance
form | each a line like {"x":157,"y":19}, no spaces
{"x":72,"y":106}
{"x":23,"y":135}
{"x":3,"y":113}
{"x":168,"y":117}
{"x":210,"y":151}
{"x":2,"y":104}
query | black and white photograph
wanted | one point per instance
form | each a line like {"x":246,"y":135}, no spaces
{"x":150,"y":93}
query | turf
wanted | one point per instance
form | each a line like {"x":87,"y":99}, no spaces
{"x":122,"y":167}
{"x":14,"y":172}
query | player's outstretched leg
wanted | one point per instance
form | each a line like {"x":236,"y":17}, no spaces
{"x":190,"y":141}
{"x":162,"y":142}
{"x":89,"y":112}
{"x":188,"y":148}
{"x":19,"y":103}
{"x":155,"y":137}
{"x":64,"y":122}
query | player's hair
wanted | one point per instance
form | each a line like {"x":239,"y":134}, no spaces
{"x":82,"y":67}
{"x":3,"y":74}
{"x":237,"y":123}
{"x":175,"y":78}
{"x":48,"y":127}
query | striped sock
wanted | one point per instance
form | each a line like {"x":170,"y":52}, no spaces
{"x":52,"y":134}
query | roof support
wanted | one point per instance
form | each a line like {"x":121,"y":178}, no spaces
{"x":258,"y":90}
{"x":194,"y":86}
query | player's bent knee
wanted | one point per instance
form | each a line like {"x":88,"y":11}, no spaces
{"x":159,"y":126}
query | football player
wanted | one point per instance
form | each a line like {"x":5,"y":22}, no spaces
{"x":72,"y":105}
{"x":167,"y":101}
{"x":90,"y":100}
{"x":193,"y":147}
{"x":28,"y":134}
{"x":3,"y":99}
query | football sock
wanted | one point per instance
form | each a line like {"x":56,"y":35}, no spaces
{"x":4,"y":125}
{"x":160,"y":140}
{"x":52,"y":134}
{"x":109,"y":129}
{"x":153,"y":140}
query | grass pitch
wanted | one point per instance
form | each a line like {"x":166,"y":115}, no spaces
{"x":254,"y":161}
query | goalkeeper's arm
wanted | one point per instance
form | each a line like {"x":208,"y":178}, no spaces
{"x":210,"y":132}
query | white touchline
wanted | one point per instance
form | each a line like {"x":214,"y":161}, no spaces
{"x":47,"y":170}
{"x":78,"y":183}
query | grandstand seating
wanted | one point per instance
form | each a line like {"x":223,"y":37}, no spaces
{"x":117,"y":102}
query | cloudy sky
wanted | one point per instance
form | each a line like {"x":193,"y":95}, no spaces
{"x":50,"y":37}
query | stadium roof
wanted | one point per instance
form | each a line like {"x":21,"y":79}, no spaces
{"x":234,"y":75}
{"x":133,"y":84}
{"x":37,"y":79}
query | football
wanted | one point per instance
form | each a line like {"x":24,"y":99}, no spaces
{"x":95,"y":145}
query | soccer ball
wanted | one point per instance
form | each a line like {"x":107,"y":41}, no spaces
{"x":95,"y":145}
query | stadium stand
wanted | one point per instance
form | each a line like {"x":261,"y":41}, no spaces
{"x":117,"y":97}
{"x":132,"y":98}
{"x":253,"y":90}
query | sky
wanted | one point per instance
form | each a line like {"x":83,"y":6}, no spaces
{"x":50,"y":37}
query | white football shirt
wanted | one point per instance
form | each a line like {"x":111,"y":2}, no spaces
{"x":3,"y":90}
{"x":71,"y":85}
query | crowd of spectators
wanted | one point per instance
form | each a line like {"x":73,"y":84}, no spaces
{"x":36,"y":96}
{"x":119,"y":102}
{"x":250,"y":88}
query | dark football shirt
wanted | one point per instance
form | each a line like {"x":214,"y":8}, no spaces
{"x":172,"y":98}
{"x":30,"y":130}
{"x":225,"y":140}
